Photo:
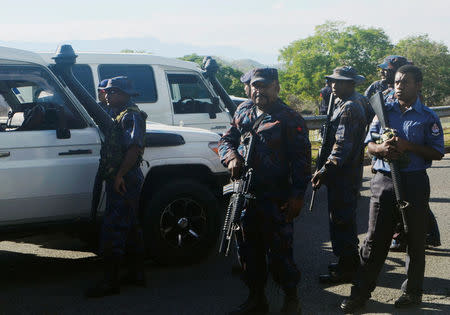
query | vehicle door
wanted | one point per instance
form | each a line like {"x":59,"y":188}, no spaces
{"x":193,"y":103}
{"x":48,"y":151}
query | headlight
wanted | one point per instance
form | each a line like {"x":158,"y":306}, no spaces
{"x":214,"y":146}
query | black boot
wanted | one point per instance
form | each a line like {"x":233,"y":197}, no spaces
{"x":353,"y":303}
{"x":110,"y":284}
{"x":341,"y":272}
{"x":136,"y":272}
{"x":291,"y":304}
{"x":256,"y":303}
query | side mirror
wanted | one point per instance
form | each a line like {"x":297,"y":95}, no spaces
{"x":213,"y":108}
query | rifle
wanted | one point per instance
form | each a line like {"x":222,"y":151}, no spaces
{"x":241,"y":190}
{"x":377,"y":103}
{"x":324,"y":150}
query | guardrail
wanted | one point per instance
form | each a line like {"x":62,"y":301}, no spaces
{"x":316,"y":122}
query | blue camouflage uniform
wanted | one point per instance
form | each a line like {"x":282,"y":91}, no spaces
{"x":325,"y":94}
{"x":121,"y":229}
{"x":377,"y":86}
{"x":282,"y":165}
{"x":419,"y":125}
{"x":343,"y":168}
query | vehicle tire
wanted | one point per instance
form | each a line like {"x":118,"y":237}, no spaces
{"x":181,"y":222}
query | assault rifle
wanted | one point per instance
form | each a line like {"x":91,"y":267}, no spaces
{"x":377,"y":103}
{"x":241,"y":190}
{"x":324,"y":150}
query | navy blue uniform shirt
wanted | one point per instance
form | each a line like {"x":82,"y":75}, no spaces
{"x":419,"y":125}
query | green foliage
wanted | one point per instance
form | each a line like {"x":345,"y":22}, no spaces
{"x":434,"y":60}
{"x":228,"y":76}
{"x":306,"y":62}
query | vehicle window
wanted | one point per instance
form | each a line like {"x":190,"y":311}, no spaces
{"x":141,"y":75}
{"x":190,"y":95}
{"x":83,"y":73}
{"x":31,"y":100}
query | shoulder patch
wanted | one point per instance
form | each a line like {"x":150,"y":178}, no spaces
{"x":435,"y":131}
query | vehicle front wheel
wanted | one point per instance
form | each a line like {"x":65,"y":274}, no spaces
{"x":181,"y":222}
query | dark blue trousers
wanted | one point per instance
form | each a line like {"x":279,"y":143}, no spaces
{"x":121,"y":231}
{"x":383,"y":218}
{"x":342,"y":203}
{"x":266,"y":245}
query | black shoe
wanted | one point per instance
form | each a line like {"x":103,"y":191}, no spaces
{"x":101,"y":289}
{"x":408,"y":300}
{"x":333,"y":267}
{"x":336,"y":277}
{"x":432,"y":242}
{"x":134,"y":278}
{"x":291,"y":304}
{"x":353,"y":303}
{"x":256,"y":303}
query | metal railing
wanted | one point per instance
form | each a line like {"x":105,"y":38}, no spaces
{"x":316,"y":122}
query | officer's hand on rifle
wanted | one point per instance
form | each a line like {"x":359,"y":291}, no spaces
{"x":235,"y":167}
{"x":119,"y":185}
{"x":318,"y":179}
{"x":389,"y":150}
{"x":294,"y":206}
{"x":401,"y":145}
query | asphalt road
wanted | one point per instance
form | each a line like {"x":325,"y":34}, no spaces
{"x":46,"y":274}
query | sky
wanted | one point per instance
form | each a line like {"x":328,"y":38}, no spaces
{"x":256,"y":29}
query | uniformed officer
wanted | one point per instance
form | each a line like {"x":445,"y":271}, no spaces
{"x":282,"y":168}
{"x":102,"y":93}
{"x":386,"y":85}
{"x":420,"y":136}
{"x":342,"y":171}
{"x":97,"y":190}
{"x":121,"y":230}
{"x":245,"y":78}
{"x":325,"y":94}
{"x":388,"y":68}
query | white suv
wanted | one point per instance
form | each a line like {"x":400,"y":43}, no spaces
{"x":49,"y":153}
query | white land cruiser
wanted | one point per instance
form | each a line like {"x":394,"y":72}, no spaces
{"x":49,"y":153}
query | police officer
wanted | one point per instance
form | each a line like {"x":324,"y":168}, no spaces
{"x":386,"y":85}
{"x":342,"y":172}
{"x":245,"y":78}
{"x":120,"y":160}
{"x":325,"y":94}
{"x":388,"y":69}
{"x":420,"y":136}
{"x":97,"y":190}
{"x":282,"y":166}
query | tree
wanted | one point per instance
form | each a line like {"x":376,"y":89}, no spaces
{"x":306,"y":62}
{"x":434,"y":60}
{"x":228,"y":76}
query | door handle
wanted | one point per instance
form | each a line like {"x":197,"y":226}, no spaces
{"x":4,"y":154}
{"x":75,"y":152}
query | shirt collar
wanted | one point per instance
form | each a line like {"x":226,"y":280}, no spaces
{"x":417,"y":106}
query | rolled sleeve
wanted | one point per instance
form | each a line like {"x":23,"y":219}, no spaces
{"x":374,"y":127}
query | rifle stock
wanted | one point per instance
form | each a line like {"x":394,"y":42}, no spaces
{"x":322,"y":155}
{"x":377,"y":103}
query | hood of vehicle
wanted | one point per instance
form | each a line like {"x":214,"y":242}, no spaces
{"x":188,"y":134}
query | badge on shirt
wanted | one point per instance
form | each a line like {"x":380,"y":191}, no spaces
{"x":435,"y":131}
